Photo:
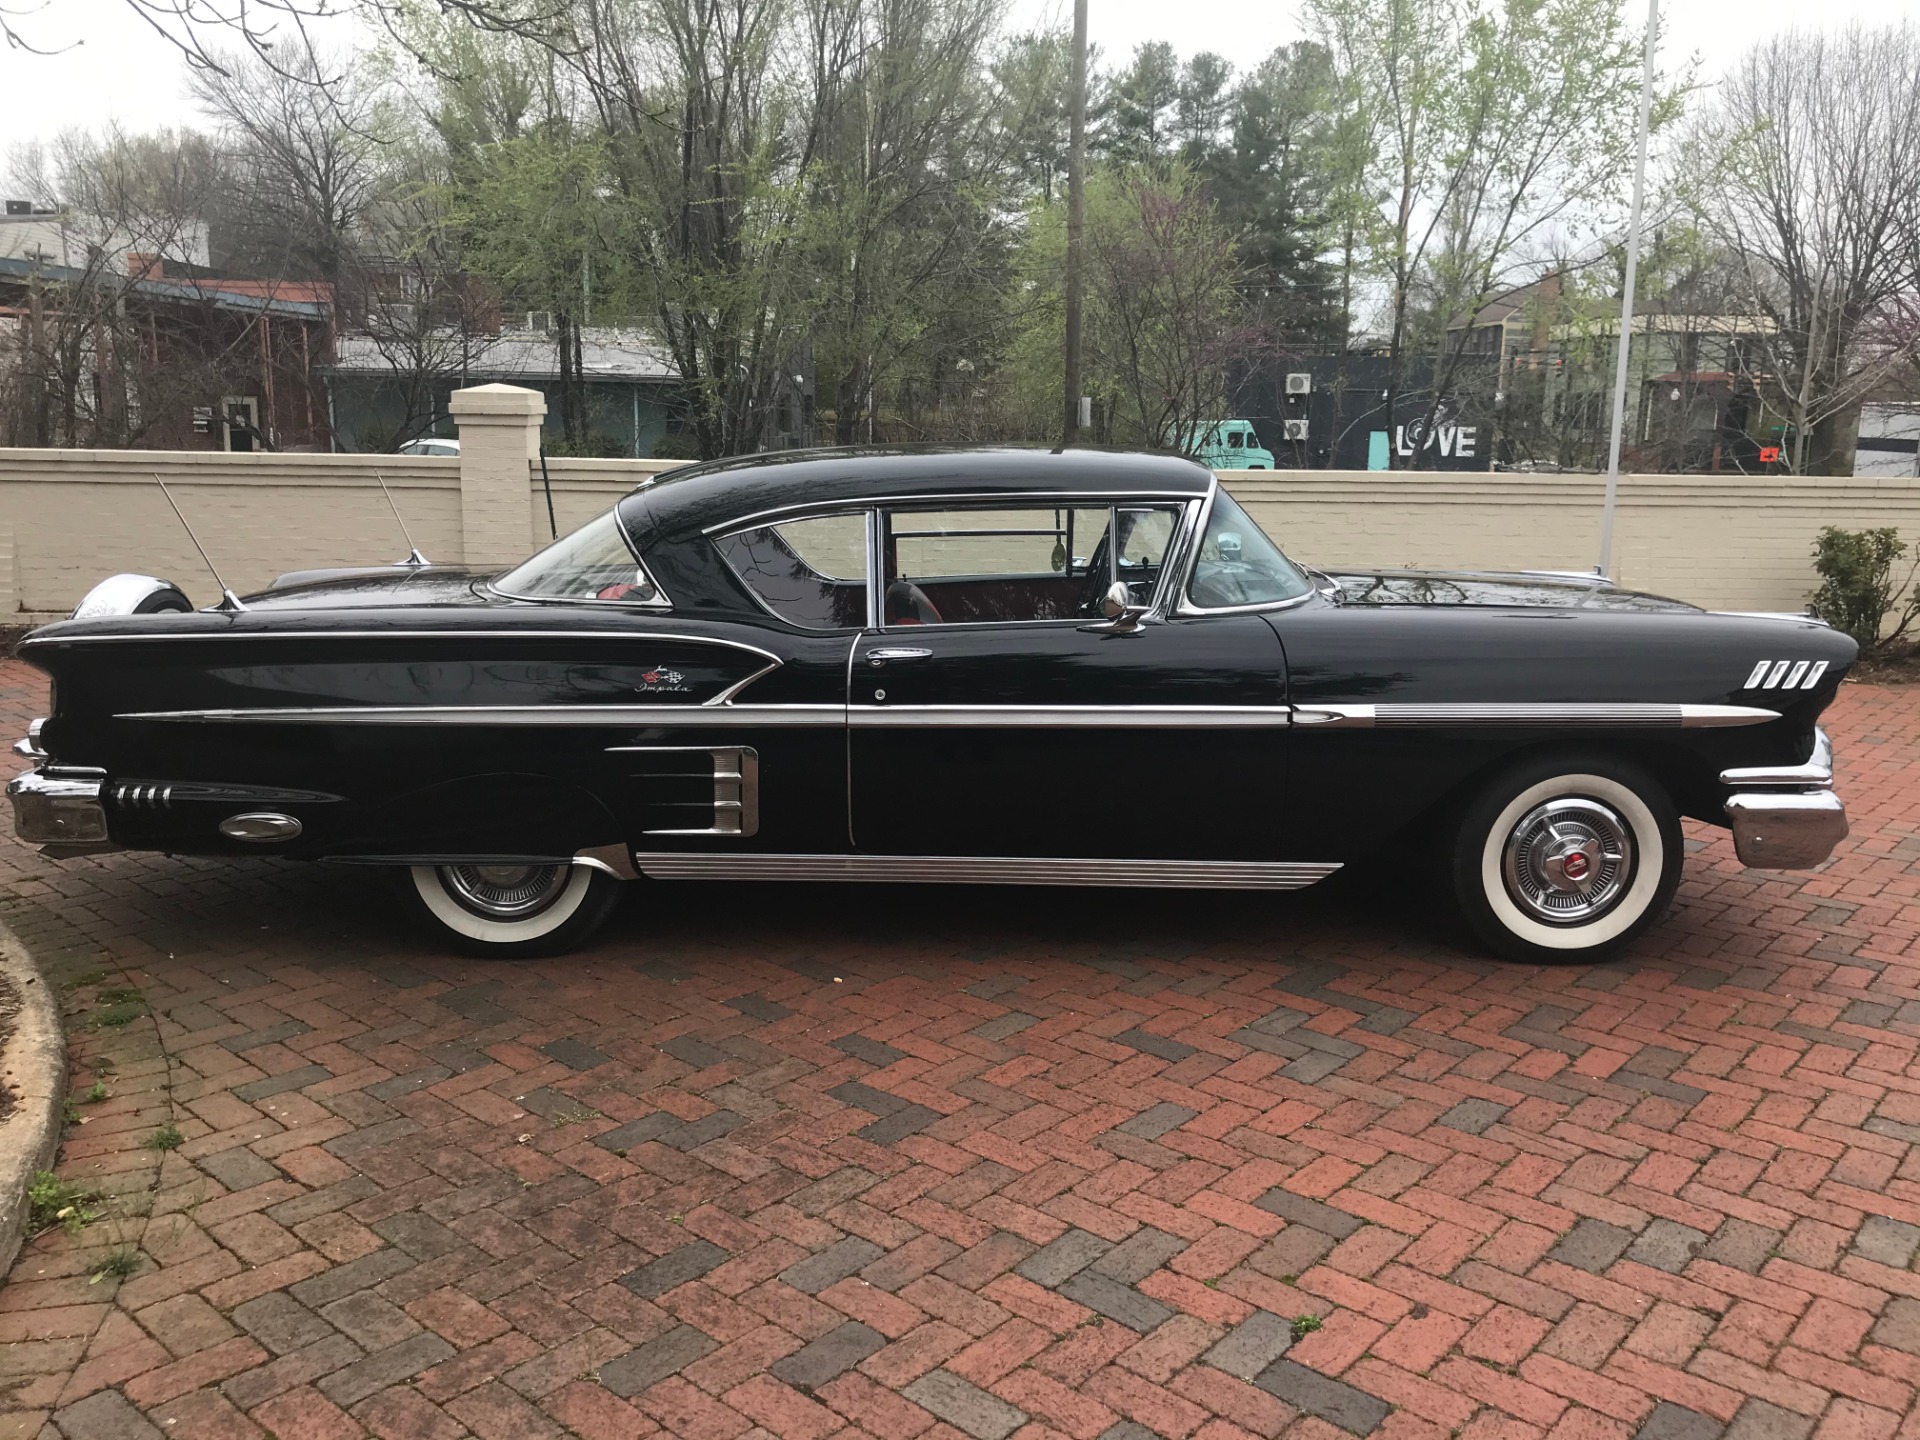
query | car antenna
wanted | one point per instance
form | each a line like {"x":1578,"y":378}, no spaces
{"x":414,"y":557}
{"x":229,"y":601}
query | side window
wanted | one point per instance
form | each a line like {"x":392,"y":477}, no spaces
{"x":810,"y":572}
{"x":1233,"y":440}
{"x":1014,"y":565}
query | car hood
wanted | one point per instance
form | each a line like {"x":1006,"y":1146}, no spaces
{"x":1521,"y":589}
{"x":372,"y":587}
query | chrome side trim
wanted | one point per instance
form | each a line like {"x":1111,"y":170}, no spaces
{"x":1600,"y":715}
{"x":614,"y":860}
{"x":696,"y":715}
{"x":970,"y":870}
{"x":1815,"y":774}
{"x":890,"y":717}
{"x":528,"y":634}
{"x":735,"y":806}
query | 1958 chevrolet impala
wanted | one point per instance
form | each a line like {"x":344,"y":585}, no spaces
{"x":1002,"y":666}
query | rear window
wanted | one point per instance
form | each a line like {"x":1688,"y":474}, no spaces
{"x":811,"y":572}
{"x":593,"y":563}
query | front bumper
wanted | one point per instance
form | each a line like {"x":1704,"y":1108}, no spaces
{"x":1786,"y":817}
{"x":61,"y":810}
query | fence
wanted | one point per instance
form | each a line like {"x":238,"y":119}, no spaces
{"x":70,"y":517}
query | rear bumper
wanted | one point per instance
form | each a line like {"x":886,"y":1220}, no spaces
{"x":1786,"y":817}
{"x":61,"y":810}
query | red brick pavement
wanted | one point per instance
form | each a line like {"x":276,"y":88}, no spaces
{"x":831,"y":1162}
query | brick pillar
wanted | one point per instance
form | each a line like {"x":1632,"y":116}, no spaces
{"x":499,"y":443}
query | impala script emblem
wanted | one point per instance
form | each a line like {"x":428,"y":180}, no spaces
{"x":1785,"y":675}
{"x":660,"y":681}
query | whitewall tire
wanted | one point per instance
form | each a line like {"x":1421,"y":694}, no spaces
{"x":1566,"y":858}
{"x":511,"y":911}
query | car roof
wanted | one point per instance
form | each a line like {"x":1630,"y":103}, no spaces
{"x":700,"y":497}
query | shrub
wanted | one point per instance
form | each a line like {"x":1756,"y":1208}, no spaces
{"x":1857,"y":588}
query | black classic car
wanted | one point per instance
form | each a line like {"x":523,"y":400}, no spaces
{"x":1004,"y":666}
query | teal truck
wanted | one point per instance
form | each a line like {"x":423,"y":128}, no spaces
{"x":1232,"y":445}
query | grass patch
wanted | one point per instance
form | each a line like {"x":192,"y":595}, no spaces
{"x":167,"y":1137}
{"x":119,"y":1006}
{"x":90,"y":977}
{"x":1304,"y":1325}
{"x":116,"y":1264}
{"x":95,"y":1094}
{"x":53,"y":1201}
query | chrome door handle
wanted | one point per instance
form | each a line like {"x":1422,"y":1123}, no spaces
{"x":896,"y":652}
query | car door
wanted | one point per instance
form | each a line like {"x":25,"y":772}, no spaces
{"x":760,"y":767}
{"x":995,"y":712}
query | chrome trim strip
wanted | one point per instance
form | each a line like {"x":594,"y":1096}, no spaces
{"x":1816,"y":773}
{"x":697,"y":715}
{"x":614,"y":860}
{"x":983,"y":499}
{"x":530,"y":634}
{"x":1510,"y":714}
{"x":1813,"y":675}
{"x":970,"y":870}
{"x":888,"y":717}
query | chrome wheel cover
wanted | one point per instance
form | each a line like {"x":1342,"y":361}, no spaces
{"x":504,"y":892}
{"x":1569,"y":861}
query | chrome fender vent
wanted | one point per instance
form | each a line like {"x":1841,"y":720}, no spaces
{"x":719,"y":785}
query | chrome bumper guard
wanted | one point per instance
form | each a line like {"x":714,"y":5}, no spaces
{"x":1786,"y":817}
{"x":58,"y":807}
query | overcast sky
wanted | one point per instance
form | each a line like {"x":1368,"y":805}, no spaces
{"x":120,"y":70}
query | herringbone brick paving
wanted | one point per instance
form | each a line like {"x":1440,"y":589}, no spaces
{"x":922,"y":1164}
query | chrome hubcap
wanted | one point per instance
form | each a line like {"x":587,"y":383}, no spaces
{"x":505,"y":892}
{"x":1568,"y":861}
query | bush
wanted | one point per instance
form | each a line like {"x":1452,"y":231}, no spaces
{"x":1857,"y":588}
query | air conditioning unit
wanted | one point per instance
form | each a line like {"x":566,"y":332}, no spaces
{"x":1295,"y":429}
{"x":1299,"y":383}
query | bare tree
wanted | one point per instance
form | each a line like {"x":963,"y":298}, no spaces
{"x":1803,"y":171}
{"x":305,"y":159}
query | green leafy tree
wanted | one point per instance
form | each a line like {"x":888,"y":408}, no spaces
{"x":1162,"y":310}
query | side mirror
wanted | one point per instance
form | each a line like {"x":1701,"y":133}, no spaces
{"x":1123,"y":615}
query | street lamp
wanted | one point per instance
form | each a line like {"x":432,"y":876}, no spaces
{"x":1605,"y":566}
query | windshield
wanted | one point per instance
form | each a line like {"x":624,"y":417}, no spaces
{"x":1239,"y":565}
{"x":593,"y":563}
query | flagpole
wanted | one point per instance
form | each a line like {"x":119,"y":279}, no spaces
{"x":1605,"y":566}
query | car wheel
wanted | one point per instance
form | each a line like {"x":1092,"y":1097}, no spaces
{"x":512,"y":911}
{"x":1566,"y":858}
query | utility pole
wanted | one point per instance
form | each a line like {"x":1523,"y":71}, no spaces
{"x":1605,"y":567}
{"x":1076,"y":221}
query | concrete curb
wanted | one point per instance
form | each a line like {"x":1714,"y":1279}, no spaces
{"x":34,"y":1066}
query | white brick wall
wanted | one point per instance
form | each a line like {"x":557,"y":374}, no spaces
{"x":1724,"y":542}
